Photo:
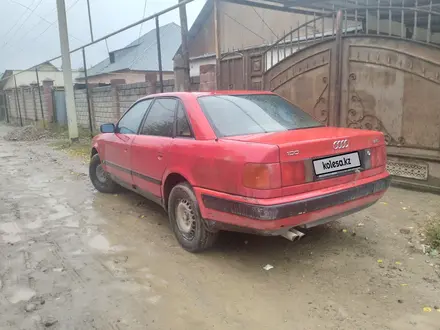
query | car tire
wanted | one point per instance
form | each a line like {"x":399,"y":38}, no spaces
{"x":191,"y":233}
{"x":101,"y":180}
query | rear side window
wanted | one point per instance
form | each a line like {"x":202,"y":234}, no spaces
{"x":183,"y":128}
{"x":250,"y":114}
{"x":160,"y":118}
{"x":130,"y":122}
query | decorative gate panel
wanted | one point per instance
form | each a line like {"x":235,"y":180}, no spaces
{"x":304,"y":79}
{"x":394,"y":88}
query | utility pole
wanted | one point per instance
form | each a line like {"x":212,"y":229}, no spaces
{"x":67,"y":71}
{"x":217,"y":44}
{"x":185,"y":51}
{"x":90,"y":21}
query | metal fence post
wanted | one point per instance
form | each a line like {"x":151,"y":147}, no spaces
{"x":89,"y":110}
{"x":159,"y":54}
{"x":41,"y":100}
{"x":18,"y":101}
{"x":338,"y":68}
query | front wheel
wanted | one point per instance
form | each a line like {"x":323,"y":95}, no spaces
{"x":186,"y":222}
{"x":101,"y":180}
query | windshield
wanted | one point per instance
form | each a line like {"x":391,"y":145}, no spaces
{"x":253,"y":113}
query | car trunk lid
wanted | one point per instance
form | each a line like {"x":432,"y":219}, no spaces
{"x":311,"y":155}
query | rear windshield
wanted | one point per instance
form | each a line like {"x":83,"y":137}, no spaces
{"x":250,"y":114}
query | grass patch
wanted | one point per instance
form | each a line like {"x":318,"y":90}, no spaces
{"x":432,"y":233}
{"x":79,"y":149}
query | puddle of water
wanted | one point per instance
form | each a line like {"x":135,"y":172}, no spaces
{"x":61,"y":212}
{"x":10,"y":228}
{"x":35,"y":224}
{"x":154,"y":300}
{"x":21,"y":294}
{"x":11,"y":238}
{"x":99,"y":242}
{"x":11,"y":231}
{"x":72,"y":223}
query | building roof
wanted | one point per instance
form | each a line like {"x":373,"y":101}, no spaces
{"x":198,"y":23}
{"x":44,"y":67}
{"x":141,"y":54}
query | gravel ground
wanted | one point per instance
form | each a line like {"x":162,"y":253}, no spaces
{"x":72,"y":258}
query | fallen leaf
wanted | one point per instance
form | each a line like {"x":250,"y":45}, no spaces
{"x":384,"y":203}
{"x":268,"y":267}
{"x":427,"y":309}
{"x":404,"y":284}
{"x":344,"y":230}
{"x":398,"y":263}
{"x":380,"y":261}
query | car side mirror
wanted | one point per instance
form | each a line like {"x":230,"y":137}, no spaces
{"x":107,"y":128}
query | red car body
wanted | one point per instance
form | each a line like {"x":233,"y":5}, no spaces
{"x":264,"y":182}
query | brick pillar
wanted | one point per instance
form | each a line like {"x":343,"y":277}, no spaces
{"x":207,"y":78}
{"x":34,"y":86}
{"x":151,"y":80}
{"x":21,"y":92}
{"x":116,"y":107}
{"x":47,"y":98}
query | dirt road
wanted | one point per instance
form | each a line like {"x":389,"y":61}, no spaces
{"x":71,"y":258}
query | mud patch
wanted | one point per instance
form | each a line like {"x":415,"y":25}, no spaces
{"x":20,"y":294}
{"x":99,"y":242}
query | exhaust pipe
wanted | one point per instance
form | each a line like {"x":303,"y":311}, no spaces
{"x":293,"y":235}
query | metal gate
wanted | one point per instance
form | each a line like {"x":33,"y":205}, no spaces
{"x":59,"y":100}
{"x":367,"y":75}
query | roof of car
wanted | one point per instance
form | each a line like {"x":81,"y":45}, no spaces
{"x":211,"y":93}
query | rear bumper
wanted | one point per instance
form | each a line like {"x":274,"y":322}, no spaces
{"x":270,"y":215}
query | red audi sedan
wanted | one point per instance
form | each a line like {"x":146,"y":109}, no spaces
{"x":242,"y":161}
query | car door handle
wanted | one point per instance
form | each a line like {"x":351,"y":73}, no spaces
{"x":159,"y":155}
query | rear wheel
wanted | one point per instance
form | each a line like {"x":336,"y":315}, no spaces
{"x":186,"y":222}
{"x":101,"y":180}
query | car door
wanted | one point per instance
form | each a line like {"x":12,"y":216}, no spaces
{"x":150,"y":149}
{"x":118,"y":147}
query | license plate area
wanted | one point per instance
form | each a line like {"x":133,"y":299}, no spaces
{"x":336,"y":165}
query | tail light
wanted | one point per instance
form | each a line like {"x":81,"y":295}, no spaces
{"x":262,"y":176}
{"x":378,"y":156}
{"x":293,"y":173}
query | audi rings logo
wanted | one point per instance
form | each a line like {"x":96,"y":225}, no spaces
{"x":340,"y":144}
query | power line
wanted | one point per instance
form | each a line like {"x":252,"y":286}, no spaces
{"x":262,"y":19}
{"x":31,"y":12}
{"x":140,"y":32}
{"x":253,"y":32}
{"x":146,"y":48}
{"x":50,"y":23}
{"x":125,"y":28}
{"x":13,"y":26}
{"x":143,"y":15}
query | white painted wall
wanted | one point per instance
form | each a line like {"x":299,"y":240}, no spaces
{"x":28,"y":77}
{"x":194,"y":65}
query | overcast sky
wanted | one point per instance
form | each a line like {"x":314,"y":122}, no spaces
{"x":30,"y":36}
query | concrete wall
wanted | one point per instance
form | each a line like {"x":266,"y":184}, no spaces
{"x":108,"y":103}
{"x":25,"y":100}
